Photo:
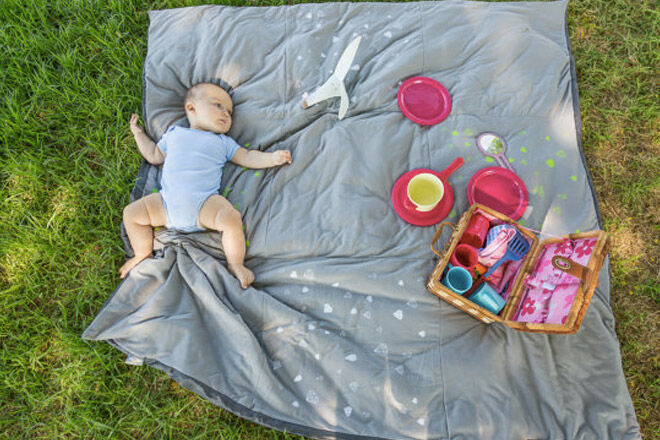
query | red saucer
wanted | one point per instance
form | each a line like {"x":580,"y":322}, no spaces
{"x":499,"y":189}
{"x":412,"y":216}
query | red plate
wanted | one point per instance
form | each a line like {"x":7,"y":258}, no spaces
{"x":424,"y":100}
{"x":413,"y":216}
{"x":499,"y":189}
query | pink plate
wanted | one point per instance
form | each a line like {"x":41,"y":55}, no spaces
{"x":499,"y":189}
{"x":424,"y":100}
{"x":412,"y":216}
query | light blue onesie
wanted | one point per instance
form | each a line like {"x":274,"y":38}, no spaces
{"x":191,"y":172}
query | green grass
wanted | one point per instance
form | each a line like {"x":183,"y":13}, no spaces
{"x":615,"y":44}
{"x":71,"y":76}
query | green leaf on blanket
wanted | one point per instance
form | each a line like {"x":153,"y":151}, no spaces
{"x":574,"y":178}
{"x":257,"y":174}
{"x":452,"y":214}
{"x":562,"y":196}
{"x":226,"y":191}
{"x":540,"y":190}
{"x":550,"y":163}
{"x":247,"y":145}
{"x":512,"y":160}
{"x":454,"y":133}
{"x":561,"y":153}
{"x":467,"y":144}
{"x":489,"y":159}
{"x":153,"y":191}
{"x":556,"y":210}
{"x":237,"y":205}
{"x":547,"y":138}
{"x":523,"y":149}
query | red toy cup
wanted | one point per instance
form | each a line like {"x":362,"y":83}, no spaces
{"x":465,"y":256}
{"x":476,"y":231}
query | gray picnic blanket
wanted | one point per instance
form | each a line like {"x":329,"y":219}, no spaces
{"x":338,"y":337}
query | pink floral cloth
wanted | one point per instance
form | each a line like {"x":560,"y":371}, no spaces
{"x":549,"y":291}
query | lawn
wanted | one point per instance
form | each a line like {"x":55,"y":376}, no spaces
{"x":71,"y":77}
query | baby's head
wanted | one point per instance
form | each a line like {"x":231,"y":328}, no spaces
{"x":208,"y":107}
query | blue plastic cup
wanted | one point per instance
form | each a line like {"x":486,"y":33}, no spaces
{"x":458,"y":279}
{"x":487,"y":298}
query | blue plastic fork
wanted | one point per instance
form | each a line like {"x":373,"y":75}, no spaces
{"x":517,"y":248}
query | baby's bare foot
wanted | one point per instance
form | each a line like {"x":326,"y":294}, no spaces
{"x":130,"y":264}
{"x":244,"y":275}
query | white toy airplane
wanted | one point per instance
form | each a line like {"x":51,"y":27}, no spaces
{"x":334,"y":86}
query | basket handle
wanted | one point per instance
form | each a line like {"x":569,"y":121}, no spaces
{"x":438,"y":233}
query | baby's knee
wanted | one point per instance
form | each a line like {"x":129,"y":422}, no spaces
{"x":234,"y":217}
{"x":136,"y":213}
{"x":129,"y":212}
{"x":228,"y":218}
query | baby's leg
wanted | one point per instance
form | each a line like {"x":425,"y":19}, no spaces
{"x":139,"y":219}
{"x":217,"y":213}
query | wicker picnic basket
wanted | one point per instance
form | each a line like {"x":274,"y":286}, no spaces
{"x":588,"y":277}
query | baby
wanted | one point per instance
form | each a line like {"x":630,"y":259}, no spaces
{"x":192,"y":160}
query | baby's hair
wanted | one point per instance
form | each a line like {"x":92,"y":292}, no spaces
{"x":191,"y":93}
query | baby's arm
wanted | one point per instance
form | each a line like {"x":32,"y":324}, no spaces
{"x":147,"y":147}
{"x":260,"y":159}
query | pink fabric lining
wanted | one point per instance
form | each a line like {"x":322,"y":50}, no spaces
{"x":549,"y":292}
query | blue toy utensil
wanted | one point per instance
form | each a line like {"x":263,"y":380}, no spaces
{"x":517,"y":248}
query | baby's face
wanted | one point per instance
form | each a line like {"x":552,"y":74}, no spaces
{"x":212,"y":110}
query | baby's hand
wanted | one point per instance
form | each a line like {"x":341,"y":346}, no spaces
{"x":280,"y":157}
{"x":135,"y":128}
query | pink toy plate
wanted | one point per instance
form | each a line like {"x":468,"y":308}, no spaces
{"x":499,"y":189}
{"x":424,"y":100}
{"x":412,"y":216}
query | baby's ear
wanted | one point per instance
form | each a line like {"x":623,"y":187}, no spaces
{"x":189,"y":107}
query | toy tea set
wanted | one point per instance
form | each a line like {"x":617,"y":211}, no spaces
{"x":495,"y":270}
{"x":491,"y":268}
